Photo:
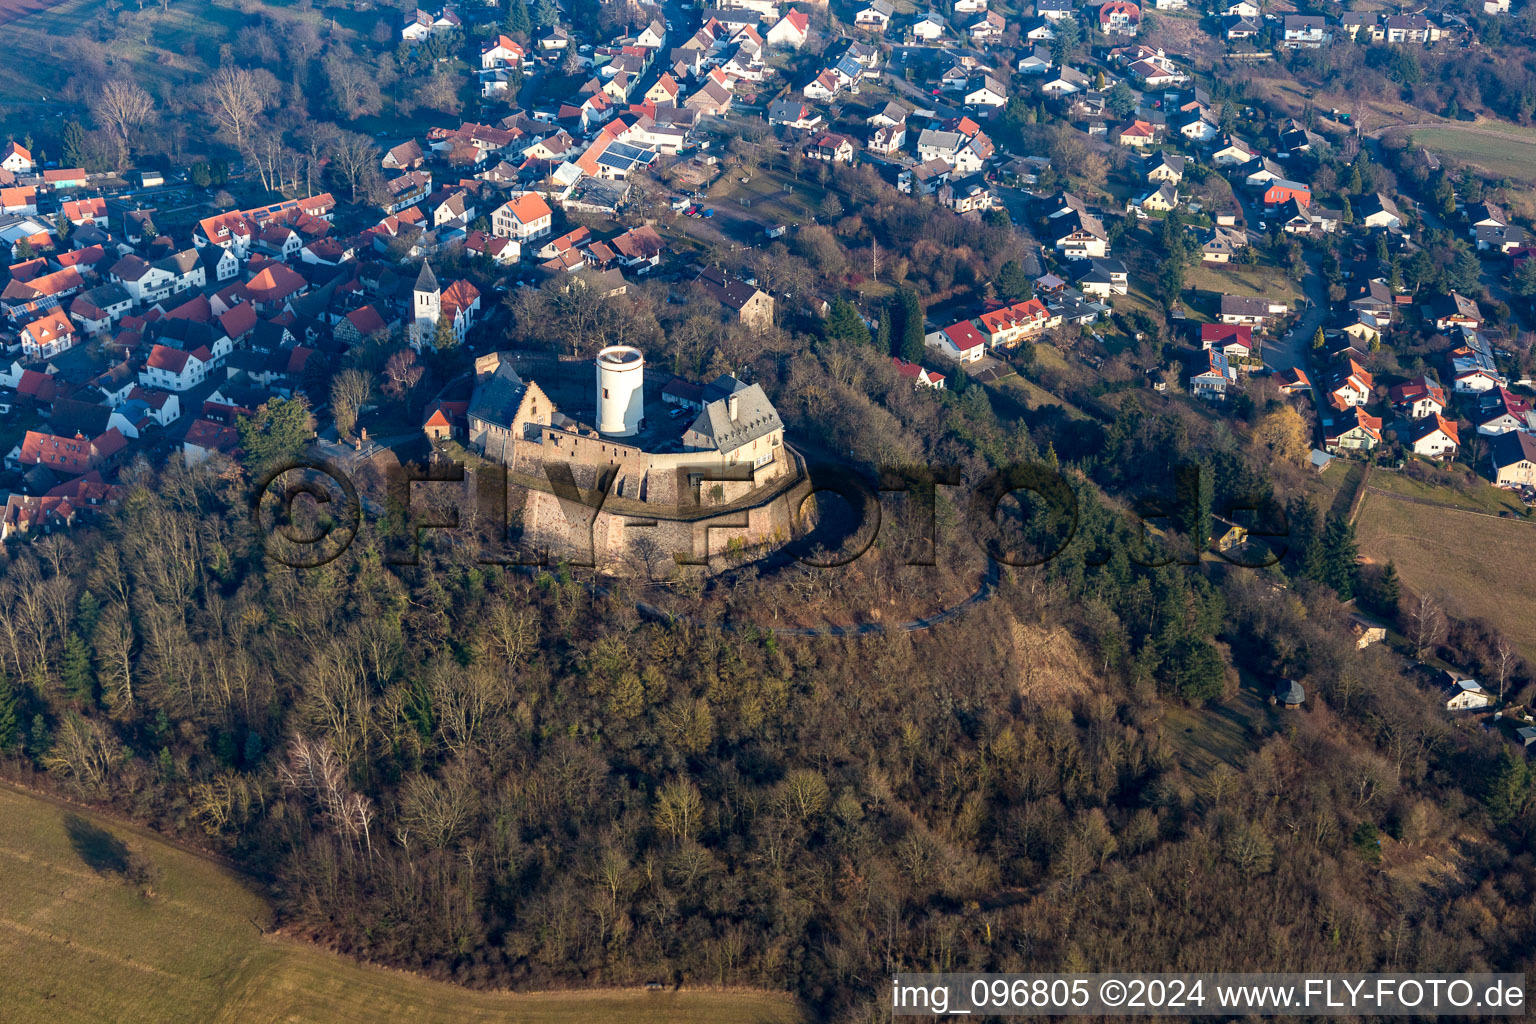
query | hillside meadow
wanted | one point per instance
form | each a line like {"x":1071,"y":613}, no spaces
{"x":106,"y":922}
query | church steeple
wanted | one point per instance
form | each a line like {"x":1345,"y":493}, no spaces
{"x":426,"y":281}
{"x":428,"y":308}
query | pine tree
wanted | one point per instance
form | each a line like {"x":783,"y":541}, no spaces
{"x":1508,"y":786}
{"x":1389,"y":590}
{"x":1340,"y":557}
{"x":443,"y":337}
{"x":10,"y":720}
{"x":87,"y":614}
{"x":1348,"y":213}
{"x":517,"y":19}
{"x":845,"y":323}
{"x":1012,"y":282}
{"x":1319,"y":339}
{"x":74,"y":144}
{"x":883,"y":335}
{"x":911,"y":326}
{"x":1192,"y":490}
{"x":79,"y":681}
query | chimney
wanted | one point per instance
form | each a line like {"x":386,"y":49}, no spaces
{"x":732,"y":405}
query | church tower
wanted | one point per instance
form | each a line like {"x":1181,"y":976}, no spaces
{"x":428,"y":298}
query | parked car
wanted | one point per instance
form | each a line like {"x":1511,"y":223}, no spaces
{"x":709,"y":213}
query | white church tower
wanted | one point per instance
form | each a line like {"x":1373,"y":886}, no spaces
{"x":428,"y":308}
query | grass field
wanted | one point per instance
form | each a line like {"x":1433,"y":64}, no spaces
{"x":1221,"y":733}
{"x":1508,"y":154}
{"x":83,"y":944}
{"x":1244,"y":279}
{"x":1476,"y":564}
{"x":1480,"y":497}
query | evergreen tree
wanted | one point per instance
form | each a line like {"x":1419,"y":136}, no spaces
{"x":911,"y":326}
{"x":278,"y":431}
{"x":87,"y":613}
{"x":883,"y":336}
{"x":1508,"y":786}
{"x":443,"y":337}
{"x":845,"y":324}
{"x":74,"y":144}
{"x":1464,"y":273}
{"x":10,"y":717}
{"x":517,"y":20}
{"x":1193,"y":494}
{"x":1012,"y":283}
{"x":1348,"y":213}
{"x":1319,"y":339}
{"x":1340,"y":557}
{"x":75,"y":672}
{"x":1389,"y":590}
{"x":545,"y":13}
{"x":1195,"y":670}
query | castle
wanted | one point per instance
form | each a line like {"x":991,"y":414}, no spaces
{"x":691,"y":473}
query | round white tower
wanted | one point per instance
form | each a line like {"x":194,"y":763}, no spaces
{"x":620,"y":390}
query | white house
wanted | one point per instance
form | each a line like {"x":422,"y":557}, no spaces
{"x":986,"y":91}
{"x":174,"y":369}
{"x":17,"y":158}
{"x":959,"y":341}
{"x":928,"y":28}
{"x":524,"y":217}
{"x":1466,"y":695}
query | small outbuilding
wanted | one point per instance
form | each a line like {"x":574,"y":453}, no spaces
{"x":1289,"y":692}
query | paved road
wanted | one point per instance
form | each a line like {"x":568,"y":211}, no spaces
{"x":1292,"y":350}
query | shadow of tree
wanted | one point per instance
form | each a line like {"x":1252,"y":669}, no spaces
{"x":100,"y":849}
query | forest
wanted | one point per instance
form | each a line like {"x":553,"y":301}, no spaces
{"x":513,"y":779}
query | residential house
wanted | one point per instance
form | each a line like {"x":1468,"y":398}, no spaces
{"x":16,"y":158}
{"x":751,"y":305}
{"x":1215,"y":379}
{"x":1352,"y":430}
{"x":876,"y":16}
{"x":1454,"y":310}
{"x":1007,"y":326}
{"x":1467,"y":695}
{"x":1501,"y":411}
{"x":1435,"y":438}
{"x":960,"y":341}
{"x":918,"y":375}
{"x":1418,"y":398}
{"x":1243,"y":309}
{"x":525,"y":217}
{"x":48,"y":335}
{"x":1378,"y":211}
{"x":831,"y":147}
{"x":1119,"y":18}
{"x":1512,"y":459}
{"x":1304,"y":31}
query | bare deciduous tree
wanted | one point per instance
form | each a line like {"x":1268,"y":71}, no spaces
{"x":353,"y":155}
{"x":236,"y":98}
{"x":122,"y":107}
{"x":1426,"y":625}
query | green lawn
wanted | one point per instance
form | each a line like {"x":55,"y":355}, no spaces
{"x":1479,"y":496}
{"x":1511,"y":156}
{"x":1243,"y":279}
{"x":188,"y":941}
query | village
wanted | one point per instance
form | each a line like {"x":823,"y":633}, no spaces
{"x":1164,"y":235}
